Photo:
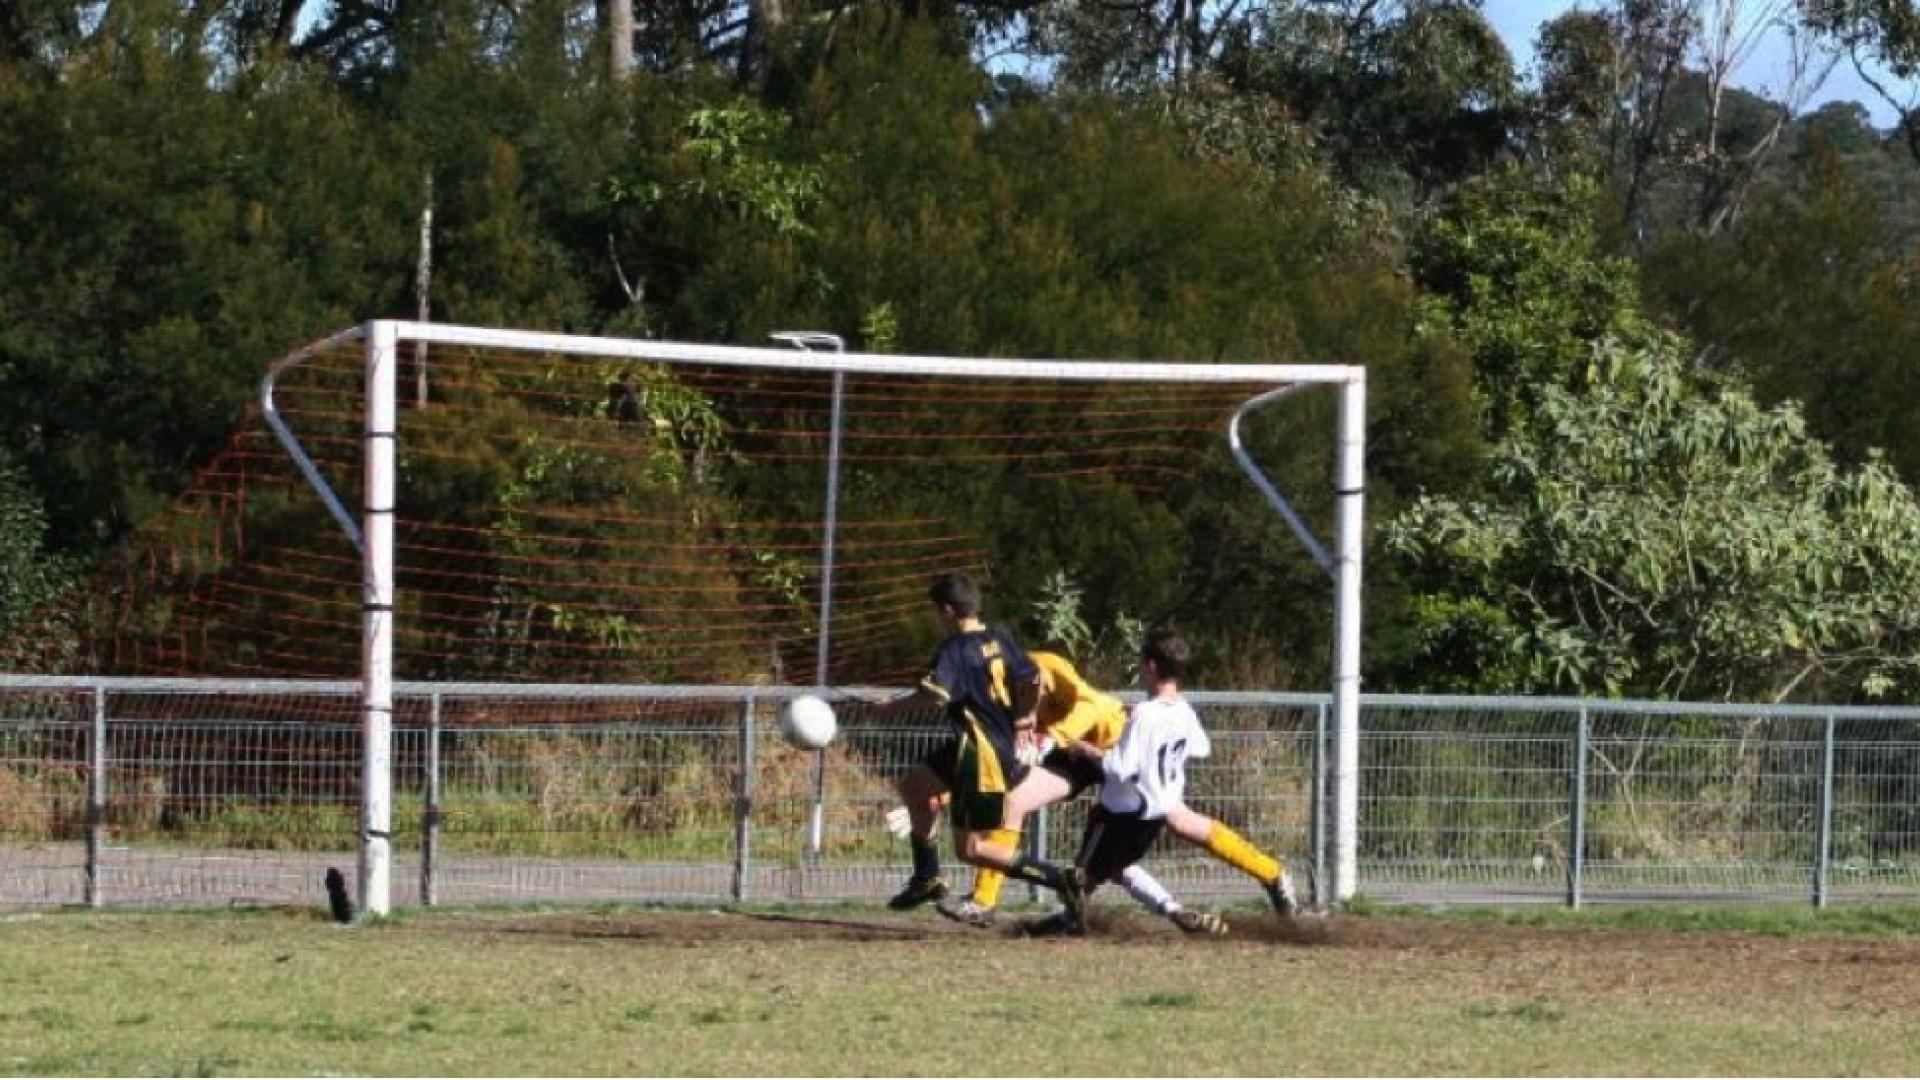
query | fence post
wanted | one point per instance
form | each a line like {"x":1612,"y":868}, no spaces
{"x":1823,"y":854}
{"x":430,"y":819}
{"x":1036,"y":843}
{"x":817,"y":815}
{"x":96,"y":793}
{"x":1577,"y":813}
{"x":743,"y":805}
{"x":1321,"y":893}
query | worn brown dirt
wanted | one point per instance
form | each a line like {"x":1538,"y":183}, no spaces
{"x":1884,"y":971}
{"x":707,"y":927}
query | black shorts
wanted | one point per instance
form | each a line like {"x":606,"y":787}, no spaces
{"x":978,"y":773}
{"x":944,"y":760}
{"x":1079,"y":772}
{"x":1114,"y":842}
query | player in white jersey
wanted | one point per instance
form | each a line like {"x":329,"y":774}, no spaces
{"x":1145,"y":788}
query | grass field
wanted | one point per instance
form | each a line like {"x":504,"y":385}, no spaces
{"x":852,"y":991}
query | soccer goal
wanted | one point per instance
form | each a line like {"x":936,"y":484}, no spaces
{"x":525,"y":506}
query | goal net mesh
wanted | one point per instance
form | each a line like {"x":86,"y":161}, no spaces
{"x":566,"y":519}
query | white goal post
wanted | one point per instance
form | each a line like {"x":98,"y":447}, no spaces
{"x":373,"y":530}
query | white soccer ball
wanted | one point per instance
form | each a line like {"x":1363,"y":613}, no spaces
{"x":807,"y":723}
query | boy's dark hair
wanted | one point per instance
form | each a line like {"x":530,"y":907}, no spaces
{"x":958,"y":592}
{"x":1169,"y":653}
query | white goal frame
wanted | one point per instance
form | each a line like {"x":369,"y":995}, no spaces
{"x":373,"y":532}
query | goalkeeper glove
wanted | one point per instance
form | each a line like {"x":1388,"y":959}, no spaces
{"x":899,"y":822}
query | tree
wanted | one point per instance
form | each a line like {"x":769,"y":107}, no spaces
{"x":1132,"y":47}
{"x":36,"y":632}
{"x":1882,"y":32}
{"x":161,"y":234}
{"x":1515,"y":274}
{"x":1661,"y":534}
{"x":1646,"y":528}
{"x":1816,"y":296}
{"x":1420,"y":93}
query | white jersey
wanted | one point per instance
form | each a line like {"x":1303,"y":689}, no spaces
{"x":1147,"y":769}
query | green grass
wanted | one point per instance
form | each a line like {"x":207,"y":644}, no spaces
{"x":658,"y":991}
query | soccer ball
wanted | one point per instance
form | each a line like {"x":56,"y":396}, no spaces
{"x":807,"y":723}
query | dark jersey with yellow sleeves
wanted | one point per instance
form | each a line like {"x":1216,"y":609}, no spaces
{"x":976,"y":674}
{"x":1070,"y":708}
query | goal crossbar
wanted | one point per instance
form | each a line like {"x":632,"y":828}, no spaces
{"x":869,"y":363}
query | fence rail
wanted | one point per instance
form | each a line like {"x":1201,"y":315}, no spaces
{"x":158,"y":791}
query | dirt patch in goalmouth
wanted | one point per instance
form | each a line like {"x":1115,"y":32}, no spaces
{"x":1598,"y":957}
{"x":1872,"y":976}
{"x":669,"y":928}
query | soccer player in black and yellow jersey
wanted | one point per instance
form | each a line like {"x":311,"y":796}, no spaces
{"x":989,"y":689}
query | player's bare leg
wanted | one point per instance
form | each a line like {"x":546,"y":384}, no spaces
{"x":1236,"y":851}
{"x":920,"y":790}
{"x":986,"y":850}
{"x":1039,"y":788}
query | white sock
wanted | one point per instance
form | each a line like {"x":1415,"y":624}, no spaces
{"x":1147,"y":890}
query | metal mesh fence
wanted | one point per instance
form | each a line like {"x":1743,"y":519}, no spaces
{"x":1875,"y":828}
{"x":44,"y":744}
{"x":195,"y":792}
{"x":1462,"y":798}
{"x":1702,"y":804}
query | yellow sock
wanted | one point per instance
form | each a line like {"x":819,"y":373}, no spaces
{"x":987,"y":881}
{"x":986,"y":886}
{"x":1232,"y":848}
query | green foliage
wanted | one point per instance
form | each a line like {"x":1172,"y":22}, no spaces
{"x":1056,"y":611}
{"x":1648,"y":529}
{"x":30,"y":575}
{"x":1887,"y":33}
{"x":161,"y":236}
{"x":1108,"y":654}
{"x":1516,"y":275}
{"x":1417,"y":96}
{"x":1080,"y":229}
{"x":729,"y":144}
{"x":517,"y":450}
{"x":1815,"y":295}
{"x":1660,"y":534}
{"x":191,"y":189}
{"x":880,"y":328}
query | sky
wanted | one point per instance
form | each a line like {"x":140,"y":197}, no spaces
{"x":1765,"y":72}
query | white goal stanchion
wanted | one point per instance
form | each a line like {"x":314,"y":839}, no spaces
{"x":383,"y":343}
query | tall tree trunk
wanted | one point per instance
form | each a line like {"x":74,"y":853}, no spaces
{"x":620,"y":38}
{"x":285,"y":24}
{"x":765,"y":18}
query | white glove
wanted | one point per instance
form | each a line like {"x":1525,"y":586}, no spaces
{"x":1030,"y":754}
{"x":899,"y":822}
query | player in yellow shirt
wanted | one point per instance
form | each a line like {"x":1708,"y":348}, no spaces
{"x":1071,"y":711}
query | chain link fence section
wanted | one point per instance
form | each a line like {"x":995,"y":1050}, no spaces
{"x":1874,"y":827}
{"x":1457,"y":798}
{"x":46,"y":740}
{"x":173,"y":792}
{"x":1701,"y":806}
